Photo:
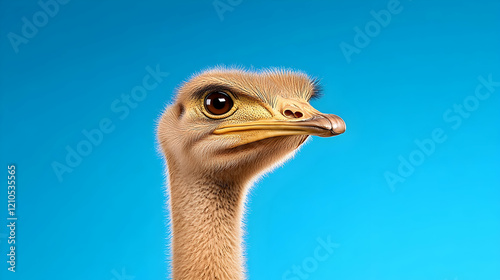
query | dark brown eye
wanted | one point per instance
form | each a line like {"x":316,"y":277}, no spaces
{"x":218,"y":103}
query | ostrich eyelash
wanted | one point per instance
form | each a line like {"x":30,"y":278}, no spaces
{"x":199,"y":93}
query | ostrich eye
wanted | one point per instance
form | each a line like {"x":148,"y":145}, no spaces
{"x":218,"y":103}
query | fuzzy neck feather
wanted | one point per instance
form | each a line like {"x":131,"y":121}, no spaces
{"x":206,"y":226}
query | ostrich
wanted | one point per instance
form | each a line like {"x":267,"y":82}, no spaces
{"x":224,"y":129}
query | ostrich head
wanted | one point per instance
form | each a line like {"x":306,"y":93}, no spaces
{"x":235,"y":124}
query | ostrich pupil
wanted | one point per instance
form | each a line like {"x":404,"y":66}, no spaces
{"x":219,"y":103}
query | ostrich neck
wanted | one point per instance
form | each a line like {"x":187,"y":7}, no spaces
{"x":206,"y":226}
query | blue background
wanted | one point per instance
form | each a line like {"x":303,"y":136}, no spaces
{"x":107,"y":220}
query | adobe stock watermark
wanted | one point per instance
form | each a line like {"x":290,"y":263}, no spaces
{"x":121,"y":108}
{"x":363,"y":36}
{"x":223,"y":6}
{"x":31,"y":26}
{"x":454,"y":117}
{"x":121,"y":276}
{"x":310,"y":264}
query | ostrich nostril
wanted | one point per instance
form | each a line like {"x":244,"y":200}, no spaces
{"x":288,"y":113}
{"x":293,"y":114}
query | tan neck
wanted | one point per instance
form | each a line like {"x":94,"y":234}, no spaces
{"x":206,"y":225}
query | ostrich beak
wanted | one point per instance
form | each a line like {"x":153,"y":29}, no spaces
{"x":323,"y":125}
